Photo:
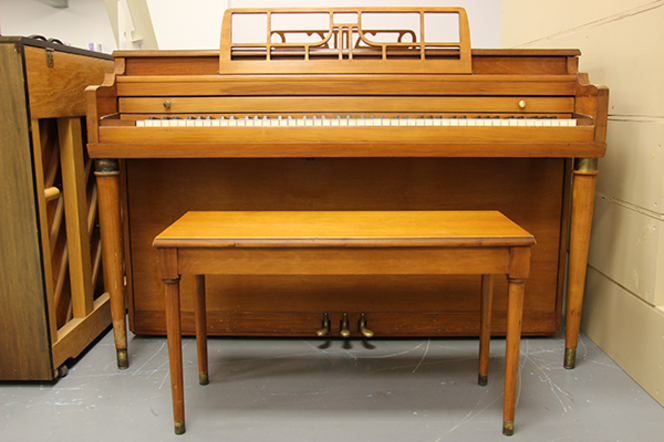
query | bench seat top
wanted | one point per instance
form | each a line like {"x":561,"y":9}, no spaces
{"x":344,"y":229}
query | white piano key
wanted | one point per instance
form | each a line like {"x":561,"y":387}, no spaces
{"x":316,"y":121}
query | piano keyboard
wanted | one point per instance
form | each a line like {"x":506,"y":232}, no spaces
{"x":288,"y":121}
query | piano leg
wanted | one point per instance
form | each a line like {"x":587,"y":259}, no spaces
{"x":583,"y":197}
{"x":108,"y":186}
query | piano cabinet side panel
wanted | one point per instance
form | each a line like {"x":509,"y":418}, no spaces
{"x":530,"y":191}
{"x":25,"y":342}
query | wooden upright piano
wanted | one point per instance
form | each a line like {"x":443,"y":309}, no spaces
{"x":338,"y":113}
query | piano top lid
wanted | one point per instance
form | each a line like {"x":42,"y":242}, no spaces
{"x":492,"y":52}
{"x":345,"y":41}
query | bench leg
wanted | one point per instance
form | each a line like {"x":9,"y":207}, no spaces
{"x":515,"y":290}
{"x":174,"y":336}
{"x":485,"y":328}
{"x":200,"y":316}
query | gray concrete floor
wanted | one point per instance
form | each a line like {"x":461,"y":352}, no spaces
{"x":318,"y":390}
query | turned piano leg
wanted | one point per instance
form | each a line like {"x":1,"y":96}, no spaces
{"x":583,"y":197}
{"x":108,"y":186}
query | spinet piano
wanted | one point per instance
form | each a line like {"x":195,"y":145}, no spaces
{"x":345,"y":116}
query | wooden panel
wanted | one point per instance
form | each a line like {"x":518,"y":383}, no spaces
{"x":398,"y":141}
{"x":530,"y":192}
{"x":382,"y":324}
{"x":485,"y":61}
{"x":354,"y":149}
{"x":219,"y":85}
{"x":58,"y":91}
{"x":361,"y":104}
{"x":25,"y":343}
{"x":352,"y":261}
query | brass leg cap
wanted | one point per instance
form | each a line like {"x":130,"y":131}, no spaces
{"x":179,"y":427}
{"x":570,"y":358}
{"x":203,"y":378}
{"x":508,"y":428}
{"x":483,"y":379}
{"x":123,"y":360}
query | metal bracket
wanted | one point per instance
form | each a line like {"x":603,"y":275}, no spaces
{"x":49,"y":57}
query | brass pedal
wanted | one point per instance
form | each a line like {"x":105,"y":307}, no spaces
{"x":345,"y":332}
{"x":326,"y":326}
{"x":363,"y":327}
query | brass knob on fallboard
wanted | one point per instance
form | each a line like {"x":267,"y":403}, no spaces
{"x":363,"y":327}
{"x":522,"y":104}
{"x":167,"y":104}
{"x":345,"y":332}
{"x":326,"y":326}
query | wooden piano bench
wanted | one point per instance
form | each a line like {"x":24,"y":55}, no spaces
{"x":344,"y":243}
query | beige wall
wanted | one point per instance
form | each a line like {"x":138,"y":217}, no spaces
{"x":622,"y":45}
